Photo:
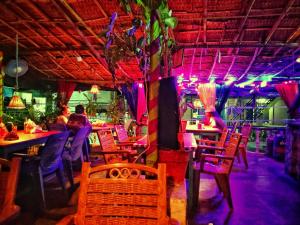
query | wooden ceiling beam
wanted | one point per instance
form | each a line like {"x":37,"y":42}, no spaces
{"x":78,"y":18}
{"x":292,"y":37}
{"x":279,"y":19}
{"x":87,"y":42}
{"x":48,"y":19}
{"x":49,"y":43}
{"x":46,"y":41}
{"x":257,"y":50}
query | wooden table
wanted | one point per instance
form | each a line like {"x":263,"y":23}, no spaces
{"x":204,"y":131}
{"x":24,"y":141}
{"x":190,"y":144}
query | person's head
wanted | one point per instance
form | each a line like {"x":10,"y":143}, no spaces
{"x":79,"y":109}
{"x":65,"y":110}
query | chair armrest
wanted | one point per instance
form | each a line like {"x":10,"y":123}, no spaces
{"x":203,"y":156}
{"x":27,"y":156}
{"x":210,"y":147}
{"x":9,"y":213}
{"x":116,"y":152}
{"x":207,"y":142}
{"x":67,"y":220}
{"x":125,"y":143}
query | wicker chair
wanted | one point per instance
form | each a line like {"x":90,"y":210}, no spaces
{"x":8,"y":186}
{"x":120,"y":194}
{"x":123,"y":135}
{"x":221,"y":171}
{"x":112,"y":152}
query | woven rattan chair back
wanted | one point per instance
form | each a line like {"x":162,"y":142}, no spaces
{"x":9,"y":173}
{"x":120,"y":194}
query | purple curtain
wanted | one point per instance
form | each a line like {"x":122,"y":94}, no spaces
{"x":130,"y":92}
{"x":223,"y":92}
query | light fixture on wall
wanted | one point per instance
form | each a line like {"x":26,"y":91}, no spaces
{"x":16,"y":102}
{"x":94,"y":89}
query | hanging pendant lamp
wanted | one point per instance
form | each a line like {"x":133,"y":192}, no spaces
{"x":94,"y":89}
{"x":16,"y":102}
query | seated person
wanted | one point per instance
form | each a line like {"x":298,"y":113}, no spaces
{"x":78,"y":120}
{"x":64,"y":115}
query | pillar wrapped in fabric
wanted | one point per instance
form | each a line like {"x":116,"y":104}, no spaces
{"x":168,"y":115}
{"x":155,"y":57}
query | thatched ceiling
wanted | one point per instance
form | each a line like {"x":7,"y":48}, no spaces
{"x":217,"y":38}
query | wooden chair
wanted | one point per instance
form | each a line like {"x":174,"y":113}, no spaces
{"x":246,"y":132}
{"x":212,"y":146}
{"x":123,"y":135}
{"x":111,"y":151}
{"x":124,"y":196}
{"x":8,"y":187}
{"x":221,"y":171}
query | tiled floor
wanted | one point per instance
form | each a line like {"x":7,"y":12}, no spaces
{"x":263,"y":194}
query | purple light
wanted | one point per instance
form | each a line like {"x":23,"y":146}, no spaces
{"x":140,"y":85}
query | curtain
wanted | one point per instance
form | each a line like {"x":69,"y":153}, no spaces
{"x":141,"y":103}
{"x":130,"y":92}
{"x":207,"y":95}
{"x":65,"y":91}
{"x":288,"y":92}
{"x":223,"y":92}
{"x":168,"y":114}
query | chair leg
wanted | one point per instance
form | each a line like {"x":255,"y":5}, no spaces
{"x":244,"y":156}
{"x":238,"y":157}
{"x":69,"y":172}
{"x":60,"y":176}
{"x":218,"y":183}
{"x":225,"y":185}
{"x":196,"y":186}
{"x":40,"y":182}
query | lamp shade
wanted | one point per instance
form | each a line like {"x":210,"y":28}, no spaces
{"x":94,"y":89}
{"x":16,"y":103}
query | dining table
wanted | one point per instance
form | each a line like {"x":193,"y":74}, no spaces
{"x":25,"y":141}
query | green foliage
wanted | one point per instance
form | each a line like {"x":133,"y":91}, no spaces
{"x":116,"y":109}
{"x":91,"y":107}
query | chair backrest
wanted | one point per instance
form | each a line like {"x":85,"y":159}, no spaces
{"x":223,"y":138}
{"x":121,"y":133}
{"x":246,"y":129}
{"x":52,"y":151}
{"x":57,"y":126}
{"x":9,"y":173}
{"x":246,"y":132}
{"x":108,"y":144}
{"x":120,"y":194}
{"x":77,"y":143}
{"x":231,"y":151}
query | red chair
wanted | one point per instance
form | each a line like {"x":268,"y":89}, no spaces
{"x":8,"y":187}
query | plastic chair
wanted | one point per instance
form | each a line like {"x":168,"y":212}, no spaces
{"x":221,"y":171}
{"x":120,"y":194}
{"x":74,"y":151}
{"x":8,"y":187}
